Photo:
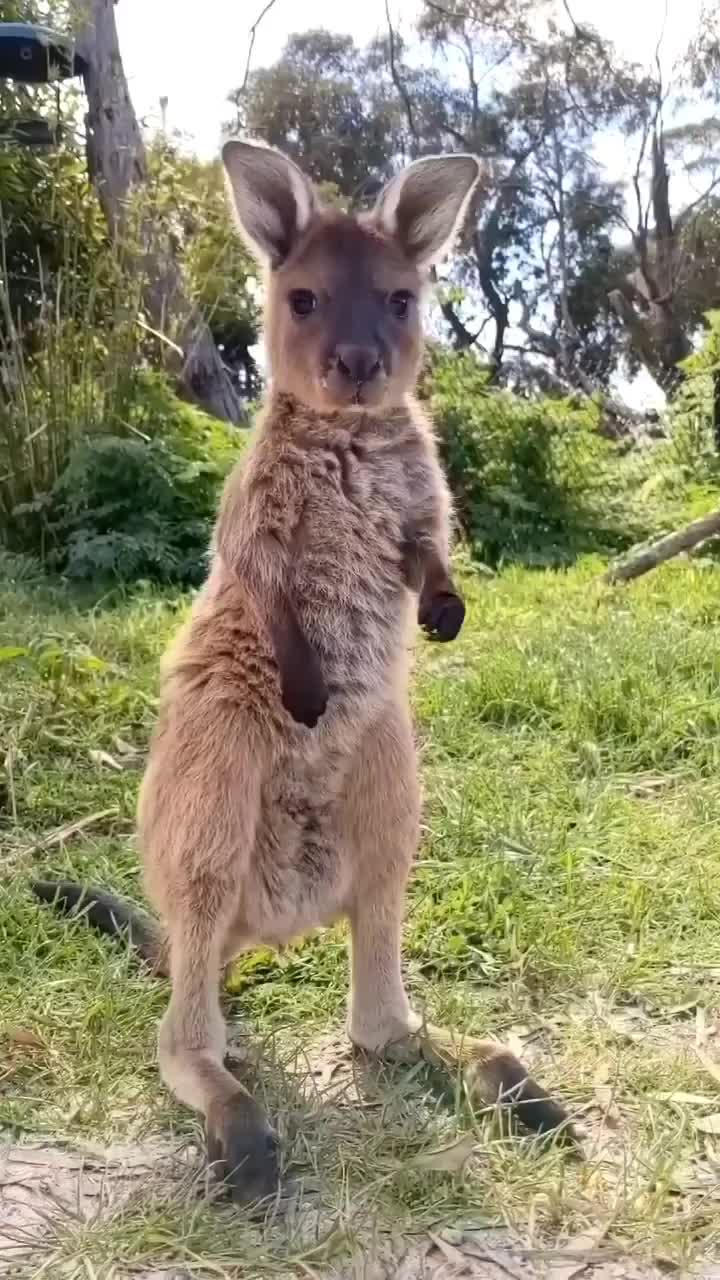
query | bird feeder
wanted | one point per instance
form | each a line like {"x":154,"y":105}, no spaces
{"x":32,"y":54}
{"x":37,"y":55}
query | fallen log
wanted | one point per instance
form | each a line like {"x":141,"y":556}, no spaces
{"x":665,"y":548}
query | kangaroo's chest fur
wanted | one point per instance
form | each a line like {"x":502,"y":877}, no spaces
{"x":347,"y":584}
{"x":346,"y":580}
{"x":338,"y":497}
{"x":339,"y":502}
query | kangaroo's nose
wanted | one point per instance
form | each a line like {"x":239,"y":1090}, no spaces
{"x":357,"y":364}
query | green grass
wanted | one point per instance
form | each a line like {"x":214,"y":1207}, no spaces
{"x":567,"y":894}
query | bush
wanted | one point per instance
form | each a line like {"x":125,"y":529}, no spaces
{"x":74,"y":347}
{"x":691,"y":417}
{"x":137,"y":505}
{"x":532,"y":479}
{"x":678,"y":480}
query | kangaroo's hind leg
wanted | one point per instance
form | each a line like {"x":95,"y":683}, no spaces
{"x":380,"y":822}
{"x":198,"y":832}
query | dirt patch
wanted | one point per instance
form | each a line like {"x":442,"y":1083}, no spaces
{"x":43,"y":1185}
{"x":492,"y":1255}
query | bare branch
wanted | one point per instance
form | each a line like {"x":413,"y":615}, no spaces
{"x":578,"y":30}
{"x":689,"y":212}
{"x":398,"y":80}
{"x":464,"y":339}
{"x":252,"y":34}
{"x":448,"y":13}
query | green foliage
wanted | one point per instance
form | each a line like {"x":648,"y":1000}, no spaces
{"x":189,"y":202}
{"x":696,"y":406}
{"x":139,"y":505}
{"x":331,"y":106}
{"x":531,"y":478}
{"x":102,"y":471}
{"x":73,"y":372}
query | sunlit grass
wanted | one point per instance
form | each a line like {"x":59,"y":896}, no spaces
{"x":567,"y":895}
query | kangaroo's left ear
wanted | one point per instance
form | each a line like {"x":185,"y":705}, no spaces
{"x":425,"y":206}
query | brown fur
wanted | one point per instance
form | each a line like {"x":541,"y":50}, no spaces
{"x":255,"y":825}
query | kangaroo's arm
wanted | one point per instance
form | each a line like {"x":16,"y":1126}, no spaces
{"x":256,"y":535}
{"x":426,"y":553}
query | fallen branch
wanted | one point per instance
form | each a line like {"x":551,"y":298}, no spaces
{"x":671,"y":545}
{"x":60,"y":835}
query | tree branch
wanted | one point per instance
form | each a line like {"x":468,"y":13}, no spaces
{"x":252,"y":35}
{"x":398,"y":80}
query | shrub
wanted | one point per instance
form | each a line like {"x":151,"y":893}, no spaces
{"x":531,"y":478}
{"x":691,"y":416}
{"x":74,"y":348}
{"x":137,"y":505}
{"x":678,"y":480}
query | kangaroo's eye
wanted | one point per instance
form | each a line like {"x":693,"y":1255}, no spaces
{"x":399,"y":303}
{"x":302,"y":302}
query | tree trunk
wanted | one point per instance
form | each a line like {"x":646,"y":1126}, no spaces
{"x":646,"y":306}
{"x":716,"y":407}
{"x":118,"y":166}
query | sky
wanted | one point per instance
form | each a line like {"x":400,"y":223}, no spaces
{"x":194,"y":54}
{"x":194,"y":61}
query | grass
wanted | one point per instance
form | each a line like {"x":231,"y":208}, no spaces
{"x":567,"y":895}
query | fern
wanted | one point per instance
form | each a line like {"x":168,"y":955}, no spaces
{"x":139,"y":506}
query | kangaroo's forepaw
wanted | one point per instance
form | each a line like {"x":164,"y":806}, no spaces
{"x":442,"y":615}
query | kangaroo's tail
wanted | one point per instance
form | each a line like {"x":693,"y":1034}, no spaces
{"x":109,"y":914}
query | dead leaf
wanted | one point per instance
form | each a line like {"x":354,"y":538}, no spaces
{"x":104,"y":758}
{"x":20,"y":1035}
{"x":449,"y":1252}
{"x":709,"y":1124}
{"x":696,"y":1177}
{"x":450,"y":1159}
{"x":685,"y":1099}
{"x":580,"y":1255}
{"x":650,"y":785}
{"x":712,"y":1067}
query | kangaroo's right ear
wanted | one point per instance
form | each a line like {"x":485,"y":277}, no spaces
{"x":273,"y":200}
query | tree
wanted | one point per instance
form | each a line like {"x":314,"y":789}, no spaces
{"x":672,"y":278}
{"x":542,"y":286}
{"x":191,"y":212}
{"x":672,"y":263}
{"x":327,"y":104}
{"x":348,"y":116}
{"x":544,"y":234}
{"x":118,"y":165}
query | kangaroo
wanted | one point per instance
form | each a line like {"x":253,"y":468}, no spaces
{"x":281,"y":791}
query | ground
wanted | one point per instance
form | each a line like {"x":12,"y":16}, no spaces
{"x":566,"y":898}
